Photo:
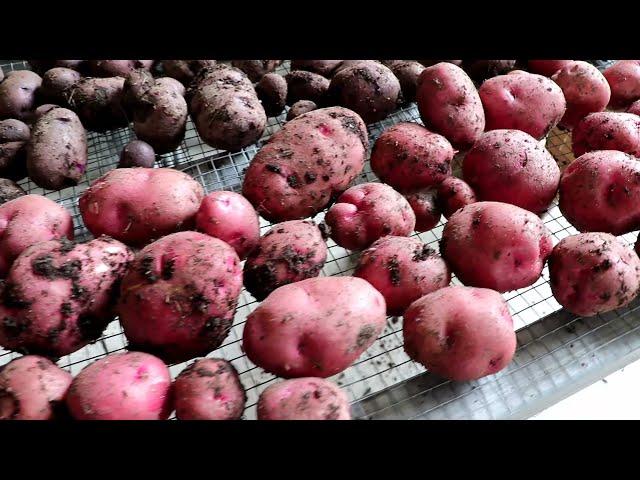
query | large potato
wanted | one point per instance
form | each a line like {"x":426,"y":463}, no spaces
{"x":98,"y":103}
{"x":624,"y":80}
{"x":311,"y":160}
{"x":18,"y":92}
{"x":607,"y":131}
{"x":316,"y":327}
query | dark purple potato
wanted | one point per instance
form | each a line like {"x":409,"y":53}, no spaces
{"x":137,"y":154}
{"x":272,"y":92}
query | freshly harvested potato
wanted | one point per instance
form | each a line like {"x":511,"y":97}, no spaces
{"x":408,"y":157}
{"x":97,"y":101}
{"x":547,"y":67}
{"x":311,"y":160}
{"x":607,"y":131}
{"x":303,"y":399}
{"x":460,"y":333}
{"x":633,"y":108}
{"x":13,"y":160}
{"x":136,"y":84}
{"x":289,"y":252}
{"x":403,"y":270}
{"x":18,"y":91}
{"x":593,"y":273}
{"x":528,"y":102}
{"x":169,"y":83}
{"x":32,"y":388}
{"x":138,"y":205}
{"x":302,"y":85}
{"x":256,"y":69}
{"x":42,"y":109}
{"x":272,"y":92}
{"x":57,"y":150}
{"x":209,"y":389}
{"x":346,"y":64}
{"x":480,"y":70}
{"x":57,"y":84}
{"x":80,"y":282}
{"x":315,"y":327}
{"x":408,"y":73}
{"x":117,"y":68}
{"x":495,"y":245}
{"x":624,"y":79}
{"x":178,"y":298}
{"x":185,"y":70}
{"x":425,"y":207}
{"x":600,"y":192}
{"x":13,"y":130}
{"x":510,"y":166}
{"x":367,"y":212}
{"x":449,"y":104}
{"x":325,"y":68}
{"x":300,"y":107}
{"x":453,"y":194}
{"x":137,"y":153}
{"x":9,"y":190}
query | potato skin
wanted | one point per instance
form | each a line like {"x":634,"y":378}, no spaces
{"x":593,"y":273}
{"x":9,"y":190}
{"x":624,"y":79}
{"x":326,"y":68}
{"x":117,"y":68}
{"x":634,"y":108}
{"x":138,"y":205}
{"x":302,"y":85}
{"x":547,"y":67}
{"x":209,"y":389}
{"x":136,"y":84}
{"x":32,"y":388}
{"x":272,"y":92}
{"x":311,"y":160}
{"x":301,"y":329}
{"x":122,"y":386}
{"x":600,"y":192}
{"x":97,"y":101}
{"x":449,"y":104}
{"x":81,"y":281}
{"x":179,"y":296}
{"x":408,"y":157}
{"x":27,"y":220}
{"x":13,"y":160}
{"x":289,"y":252}
{"x":41,"y":66}
{"x":305,"y":398}
{"x":137,"y":153}
{"x":403,"y":270}
{"x":430,"y":63}
{"x":425,"y":207}
{"x":495,"y":245}
{"x":18,"y":92}
{"x":453,"y":194}
{"x":300,"y":107}
{"x":57,"y":84}
{"x":407,"y":73}
{"x":510,"y":166}
{"x":367,"y":212}
{"x":57,"y":150}
{"x":185,"y":70}
{"x":13,"y":130}
{"x":256,"y":69}
{"x":607,"y":131}
{"x":480,"y":70}
{"x":460,"y":333}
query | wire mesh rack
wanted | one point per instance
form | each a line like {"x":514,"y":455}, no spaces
{"x":384,"y":367}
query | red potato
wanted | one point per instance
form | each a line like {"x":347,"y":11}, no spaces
{"x":367,"y":212}
{"x":453,"y":194}
{"x":460,"y":333}
{"x":495,"y":245}
{"x":117,"y":68}
{"x":303,"y":399}
{"x":449,"y":104}
{"x":122,"y":386}
{"x":178,"y":299}
{"x":300,"y":107}
{"x":607,"y":131}
{"x":510,"y":166}
{"x":425,"y":207}
{"x":408,"y":157}
{"x":600,"y":192}
{"x":28,"y":220}
{"x":209,"y":389}
{"x":547,"y":67}
{"x":402,"y":270}
{"x":585,"y":89}
{"x":32,"y":388}
{"x":231,"y":218}
{"x":528,"y":102}
{"x":289,"y":252}
{"x":634,"y":108}
{"x":138,"y":205}
{"x":315,"y":327}
{"x":311,"y":160}
{"x":326,"y":68}
{"x":624,"y":80}
{"x":18,"y":92}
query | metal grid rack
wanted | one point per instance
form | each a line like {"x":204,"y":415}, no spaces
{"x":382,"y":368}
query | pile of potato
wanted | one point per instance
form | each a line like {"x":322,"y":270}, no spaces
{"x":170,"y":261}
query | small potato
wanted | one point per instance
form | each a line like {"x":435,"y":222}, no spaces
{"x":607,"y":131}
{"x":449,"y":104}
{"x":460,"y":333}
{"x":303,"y":399}
{"x":408,"y":157}
{"x":32,"y":388}
{"x":547,"y":67}
{"x":326,"y":68}
{"x":453,"y":194}
{"x":18,"y":92}
{"x":117,"y":68}
{"x":510,"y":166}
{"x":585,"y":90}
{"x":480,"y":70}
{"x":495,"y":245}
{"x":256,"y":69}
{"x":98,"y":103}
{"x":318,"y":326}
{"x":624,"y":80}
{"x":289,"y":252}
{"x":9,"y":190}
{"x":13,"y":130}
{"x":634,"y":108}
{"x":600,"y":192}
{"x":367,"y":212}
{"x":137,"y":153}
{"x":300,"y":107}
{"x":209,"y":389}
{"x":303,"y":85}
{"x":528,"y":102}
{"x":13,"y":160}
{"x":426,"y":209}
{"x":403,"y":270}
{"x":408,"y":73}
{"x":122,"y":386}
{"x":185,"y":70}
{"x":272,"y":92}
{"x":231,"y":218}
{"x":57,"y":84}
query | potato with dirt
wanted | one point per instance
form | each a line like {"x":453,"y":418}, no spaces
{"x":403,"y":270}
{"x":80,"y":282}
{"x":592,"y":273}
{"x":460,"y":333}
{"x":13,"y":160}
{"x":634,"y":108}
{"x":480,"y":70}
{"x":495,"y":245}
{"x":139,"y":205}
{"x":299,"y":108}
{"x":9,"y":190}
{"x":137,"y":153}
{"x":185,"y":70}
{"x":425,"y":207}
{"x":272,"y":92}
{"x":256,"y":69}
{"x":306,"y":164}
{"x":303,"y":399}
{"x":624,"y":79}
{"x":547,"y":67}
{"x":33,"y":388}
{"x":18,"y":94}
{"x":607,"y":131}
{"x":430,"y":63}
{"x":209,"y":389}
{"x":57,"y":84}
{"x":117,"y":68}
{"x":453,"y":194}
{"x":98,"y":103}
{"x":41,"y":66}
{"x":302,"y":85}
{"x":408,"y":72}
{"x":289,"y":252}
{"x":316,"y":327}
{"x":14,"y":130}
{"x":179,"y":296}
{"x":326,"y":68}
